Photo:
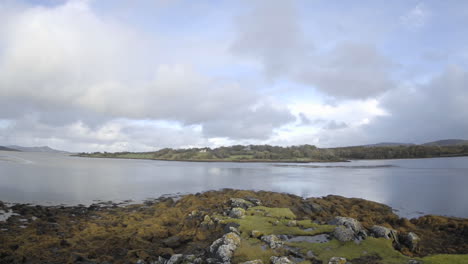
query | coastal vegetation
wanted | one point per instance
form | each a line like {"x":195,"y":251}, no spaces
{"x":303,"y":153}
{"x":264,"y":226}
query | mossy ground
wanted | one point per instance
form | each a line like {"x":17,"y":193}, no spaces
{"x":126,"y":234}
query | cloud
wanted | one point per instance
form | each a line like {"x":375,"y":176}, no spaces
{"x":271,"y":35}
{"x":417,"y":17}
{"x":425,"y":112}
{"x":70,"y":66}
{"x":350,"y":70}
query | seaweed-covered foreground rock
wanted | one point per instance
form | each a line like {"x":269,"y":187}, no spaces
{"x":200,"y":228}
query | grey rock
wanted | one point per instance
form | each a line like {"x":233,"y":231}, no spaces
{"x":291,"y":223}
{"x":280,"y":260}
{"x":411,"y":240}
{"x":172,"y":242}
{"x":237,"y":213}
{"x":253,"y":200}
{"x":176,"y":259}
{"x":238,"y":202}
{"x":351,"y":223}
{"x":310,"y":254}
{"x":344,"y":234}
{"x":337,"y":260}
{"x":388,"y":233}
{"x":412,"y":261}
{"x":272,"y":241}
{"x":223,"y":248}
{"x":256,"y":261}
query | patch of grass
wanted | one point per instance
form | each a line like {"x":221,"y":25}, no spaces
{"x":445,"y":259}
{"x":283,"y":213}
{"x":251,"y":249}
{"x":350,"y":250}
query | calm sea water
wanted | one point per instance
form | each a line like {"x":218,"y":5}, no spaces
{"x":413,"y":187}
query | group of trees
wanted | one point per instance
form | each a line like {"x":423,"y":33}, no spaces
{"x":302,"y":153}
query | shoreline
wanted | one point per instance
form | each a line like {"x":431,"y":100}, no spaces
{"x":187,"y":226}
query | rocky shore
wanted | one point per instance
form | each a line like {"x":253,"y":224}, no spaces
{"x":229,"y":226}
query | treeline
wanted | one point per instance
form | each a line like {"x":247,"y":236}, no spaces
{"x":303,"y":153}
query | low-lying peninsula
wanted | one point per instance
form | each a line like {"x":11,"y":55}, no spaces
{"x":230,"y":226}
{"x":299,"y":154}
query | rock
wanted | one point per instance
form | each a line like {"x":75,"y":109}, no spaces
{"x":280,"y":260}
{"x":257,"y":261}
{"x":291,"y":223}
{"x":232,"y":227}
{"x":337,"y":260}
{"x":241,"y":203}
{"x":310,"y":254}
{"x":223,"y":248}
{"x":350,"y":223}
{"x":172,"y":242}
{"x":237,"y":213}
{"x":176,"y":259}
{"x":256,"y":234}
{"x":311,"y":208}
{"x":273,"y":241}
{"x":207,"y":222}
{"x":253,"y":200}
{"x":381,"y":231}
{"x":411,"y":240}
{"x":412,"y":261}
{"x":344,"y":234}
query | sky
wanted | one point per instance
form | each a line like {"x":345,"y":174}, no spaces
{"x":121,"y":75}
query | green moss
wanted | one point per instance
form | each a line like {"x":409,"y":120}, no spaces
{"x":251,"y":249}
{"x":446,"y":259}
{"x":350,"y":250}
{"x":284,"y":213}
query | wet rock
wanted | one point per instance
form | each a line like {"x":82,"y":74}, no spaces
{"x":411,"y":240}
{"x":172,"y":242}
{"x":256,"y":234}
{"x":337,"y":260}
{"x":257,"y":261}
{"x":272,"y":241}
{"x":241,"y":203}
{"x":344,"y":234}
{"x":280,"y":260}
{"x":237,"y":213}
{"x":223,"y":248}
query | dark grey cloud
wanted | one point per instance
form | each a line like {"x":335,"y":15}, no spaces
{"x":426,"y":112}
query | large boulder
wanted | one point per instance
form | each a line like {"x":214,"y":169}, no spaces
{"x":351,"y":224}
{"x":176,"y":259}
{"x":280,"y":260}
{"x":344,"y":234}
{"x":272,"y":241}
{"x":387,"y":233}
{"x":223,"y":248}
{"x":411,"y":240}
{"x":237,"y":212}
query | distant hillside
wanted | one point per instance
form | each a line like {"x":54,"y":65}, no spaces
{"x":447,"y":142}
{"x":7,"y":149}
{"x":37,"y":149}
{"x":389,"y":144}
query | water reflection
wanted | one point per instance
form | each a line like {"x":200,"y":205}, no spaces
{"x":434,"y":186}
